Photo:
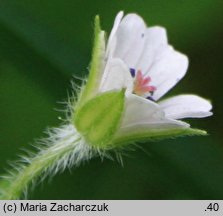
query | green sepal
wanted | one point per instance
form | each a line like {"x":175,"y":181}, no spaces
{"x":99,"y":118}
{"x":96,"y":66}
{"x":143,"y":135}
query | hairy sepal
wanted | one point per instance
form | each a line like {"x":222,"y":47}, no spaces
{"x":99,"y":118}
{"x":143,"y":135}
{"x":96,"y":65}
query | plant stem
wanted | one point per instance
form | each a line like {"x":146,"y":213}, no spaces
{"x":66,"y":151}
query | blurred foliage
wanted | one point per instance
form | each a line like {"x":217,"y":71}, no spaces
{"x":44,"y":43}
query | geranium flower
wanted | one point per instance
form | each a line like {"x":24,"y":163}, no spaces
{"x":119,"y":104}
{"x":140,"y":59}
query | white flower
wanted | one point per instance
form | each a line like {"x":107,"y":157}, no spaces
{"x":141,"y":60}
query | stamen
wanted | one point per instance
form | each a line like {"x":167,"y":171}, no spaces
{"x":133,"y":72}
{"x":150,"y":98}
{"x":141,"y":85}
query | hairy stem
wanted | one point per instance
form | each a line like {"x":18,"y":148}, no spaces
{"x":67,"y":150}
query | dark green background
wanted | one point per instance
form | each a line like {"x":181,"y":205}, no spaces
{"x":43,"y":43}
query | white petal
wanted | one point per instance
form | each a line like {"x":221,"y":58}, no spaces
{"x":156,"y":38}
{"x":167,"y":70}
{"x":141,"y":112}
{"x":116,"y":76}
{"x":130,"y":38}
{"x":186,"y":106}
{"x":111,"y":40}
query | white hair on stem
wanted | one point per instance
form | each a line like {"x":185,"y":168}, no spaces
{"x":63,"y":148}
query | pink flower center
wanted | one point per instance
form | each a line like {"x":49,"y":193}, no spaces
{"x":142,"y":84}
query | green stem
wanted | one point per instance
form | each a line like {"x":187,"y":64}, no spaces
{"x":43,"y":162}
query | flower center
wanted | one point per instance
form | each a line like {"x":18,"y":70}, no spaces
{"x":142,"y":85}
